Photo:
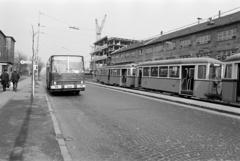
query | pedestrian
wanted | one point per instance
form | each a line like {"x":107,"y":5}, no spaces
{"x":14,"y":78}
{"x":4,"y":79}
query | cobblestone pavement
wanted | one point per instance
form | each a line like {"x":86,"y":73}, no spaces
{"x":105,"y":125}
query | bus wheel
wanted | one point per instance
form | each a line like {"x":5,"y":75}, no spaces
{"x":77,"y":93}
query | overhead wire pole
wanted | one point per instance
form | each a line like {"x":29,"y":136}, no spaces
{"x":33,"y":61}
{"x":37,"y":50}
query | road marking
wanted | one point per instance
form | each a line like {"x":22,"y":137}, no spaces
{"x":195,"y":107}
{"x":63,"y":148}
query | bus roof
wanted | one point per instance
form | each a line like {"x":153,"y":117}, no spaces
{"x":66,"y":55}
{"x":235,"y":57}
{"x":182,"y":61}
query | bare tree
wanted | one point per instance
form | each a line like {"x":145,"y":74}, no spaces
{"x":22,"y":68}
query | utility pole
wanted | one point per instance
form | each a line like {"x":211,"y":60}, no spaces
{"x":33,"y":63}
{"x":38,"y":32}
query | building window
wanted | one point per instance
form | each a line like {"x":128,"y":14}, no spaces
{"x":223,"y":54}
{"x":202,"y":70}
{"x":228,"y":71}
{"x":146,"y":71}
{"x":227,"y":35}
{"x":203,"y":39}
{"x":154,"y":71}
{"x":163,"y":71}
{"x":170,"y":45}
{"x":185,"y":43}
{"x":174,"y":71}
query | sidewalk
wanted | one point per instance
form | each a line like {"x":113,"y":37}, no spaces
{"x":27,"y":132}
{"x":200,"y":104}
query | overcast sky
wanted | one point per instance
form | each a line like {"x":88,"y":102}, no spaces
{"x":133,"y":19}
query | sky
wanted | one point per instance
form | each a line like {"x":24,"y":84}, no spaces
{"x":131,"y":19}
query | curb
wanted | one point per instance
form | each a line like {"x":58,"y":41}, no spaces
{"x":218,"y":108}
{"x":62,"y":145}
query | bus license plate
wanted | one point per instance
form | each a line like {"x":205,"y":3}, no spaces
{"x":68,"y":86}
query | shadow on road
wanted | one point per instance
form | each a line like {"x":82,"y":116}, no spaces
{"x":17,"y":152}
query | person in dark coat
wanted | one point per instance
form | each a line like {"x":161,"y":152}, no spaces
{"x":14,"y":78}
{"x":4,"y":79}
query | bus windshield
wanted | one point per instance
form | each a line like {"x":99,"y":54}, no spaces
{"x":67,"y":64}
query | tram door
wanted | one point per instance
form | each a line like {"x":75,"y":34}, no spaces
{"x":139,"y":80}
{"x":187,"y":80}
{"x":238,"y":84}
{"x":124,"y":77}
{"x":109,"y":73}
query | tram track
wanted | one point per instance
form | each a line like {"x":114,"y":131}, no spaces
{"x":217,"y":106}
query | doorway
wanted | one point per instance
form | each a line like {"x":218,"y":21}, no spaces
{"x":187,"y":80}
{"x":139,"y":80}
{"x":124,"y":77}
{"x":238,"y":84}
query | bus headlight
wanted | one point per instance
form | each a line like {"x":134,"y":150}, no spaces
{"x":81,"y":85}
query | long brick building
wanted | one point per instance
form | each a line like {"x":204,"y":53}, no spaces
{"x":217,"y":38}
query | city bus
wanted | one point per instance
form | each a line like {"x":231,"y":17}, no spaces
{"x":65,"y":73}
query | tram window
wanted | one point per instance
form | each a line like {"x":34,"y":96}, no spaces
{"x":202,"y":70}
{"x":128,"y":72}
{"x":134,"y":72}
{"x":118,"y":72}
{"x":163,"y":71}
{"x":114,"y":72}
{"x":228,"y":71}
{"x":174,"y":71}
{"x":154,"y":71}
{"x":215,"y":72}
{"x":146,"y":71}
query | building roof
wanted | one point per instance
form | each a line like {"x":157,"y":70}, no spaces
{"x":131,"y":46}
{"x":113,"y":38}
{"x":100,"y":40}
{"x":11,"y":38}
{"x":218,"y":22}
{"x":2,"y":33}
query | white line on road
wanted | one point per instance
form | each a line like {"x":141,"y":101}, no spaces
{"x":64,"y":151}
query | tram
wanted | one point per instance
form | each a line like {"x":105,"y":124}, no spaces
{"x":65,"y":73}
{"x":119,"y":75}
{"x":231,"y":79}
{"x":195,"y":77}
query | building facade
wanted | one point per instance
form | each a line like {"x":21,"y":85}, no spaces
{"x":217,"y":38}
{"x":103,"y":48}
{"x":7,"y":44}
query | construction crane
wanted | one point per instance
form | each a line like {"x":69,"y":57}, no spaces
{"x":99,"y":28}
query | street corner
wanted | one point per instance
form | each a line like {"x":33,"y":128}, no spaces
{"x":27,"y":131}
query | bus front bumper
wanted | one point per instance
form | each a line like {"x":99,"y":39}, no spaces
{"x":68,"y":87}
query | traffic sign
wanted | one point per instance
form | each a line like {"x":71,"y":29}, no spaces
{"x":25,"y":62}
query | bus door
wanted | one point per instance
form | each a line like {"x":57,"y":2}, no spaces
{"x":238,"y":84}
{"x":187,"y":80}
{"x":124,"y":77}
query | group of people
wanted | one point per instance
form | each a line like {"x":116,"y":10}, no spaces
{"x":5,"y":80}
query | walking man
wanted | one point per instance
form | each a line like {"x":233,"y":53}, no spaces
{"x":14,"y":78}
{"x":4,"y":79}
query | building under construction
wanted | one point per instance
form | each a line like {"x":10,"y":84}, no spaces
{"x":103,"y":48}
